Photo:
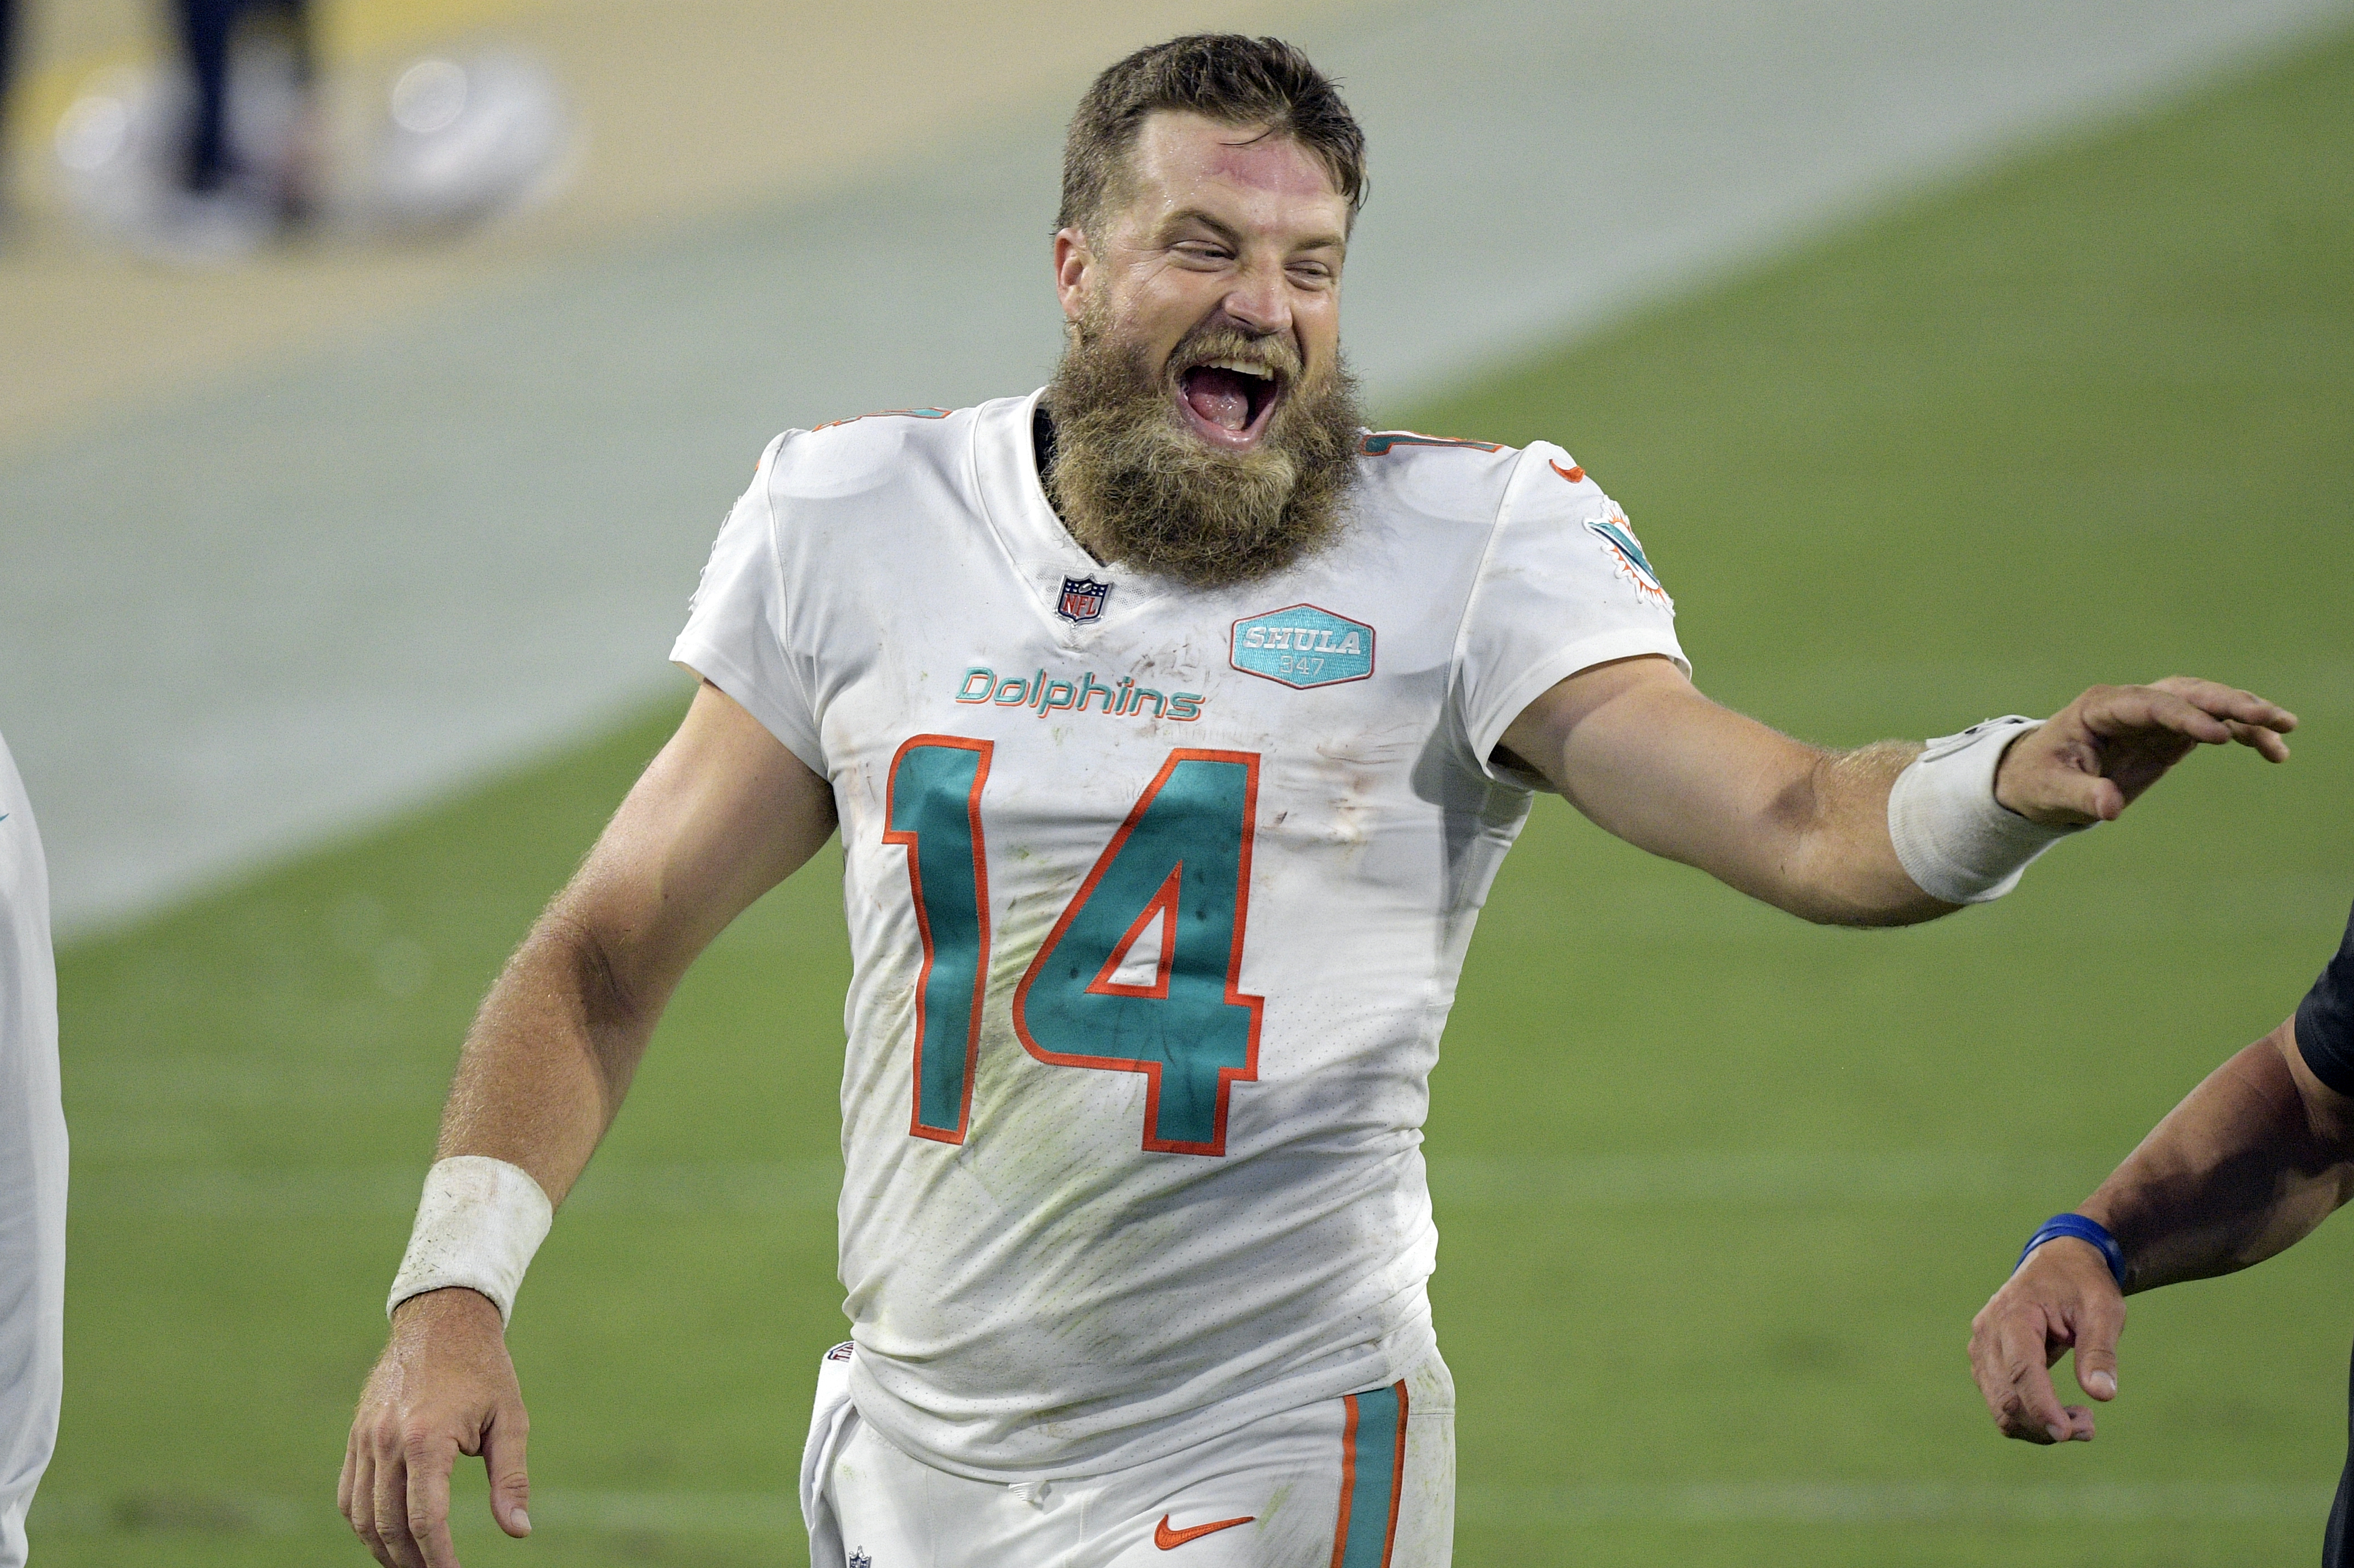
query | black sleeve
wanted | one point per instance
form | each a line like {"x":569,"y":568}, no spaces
{"x":2324,"y":1020}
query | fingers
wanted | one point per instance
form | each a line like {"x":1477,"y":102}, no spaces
{"x":2115,"y":711}
{"x":396,"y":1493}
{"x":2099,"y":1322}
{"x":362,"y":1513}
{"x":2096,"y":798}
{"x":503,"y":1456}
{"x":2231,"y":702}
{"x":2205,"y":711}
{"x":427,"y":1459}
{"x":2008,"y":1344}
{"x":398,"y":1547}
{"x":2245,"y":717}
{"x":2028,"y":1407}
{"x":2264,"y":742}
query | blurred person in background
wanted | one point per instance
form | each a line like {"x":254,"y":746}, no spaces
{"x":270,"y":35}
{"x":1159,"y":880}
{"x":207,"y":158}
{"x":32,"y":1170}
{"x":7,"y":79}
{"x":2251,"y":1160}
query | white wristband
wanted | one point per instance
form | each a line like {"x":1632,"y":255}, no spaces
{"x":1955,"y":840}
{"x":477,"y":1225}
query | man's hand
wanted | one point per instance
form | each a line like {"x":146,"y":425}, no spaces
{"x":2063,"y":1295}
{"x":2101,"y":751}
{"x":444,"y":1386}
{"x":724,"y":814}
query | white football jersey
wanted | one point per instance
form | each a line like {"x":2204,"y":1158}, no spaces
{"x":1157,"y":897}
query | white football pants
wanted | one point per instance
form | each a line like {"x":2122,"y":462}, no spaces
{"x":1364,"y":1481}
{"x":32,"y":1170}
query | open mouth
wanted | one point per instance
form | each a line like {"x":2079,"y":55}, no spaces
{"x":1229,"y":401}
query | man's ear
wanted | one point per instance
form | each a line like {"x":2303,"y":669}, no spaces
{"x":1075,"y":265}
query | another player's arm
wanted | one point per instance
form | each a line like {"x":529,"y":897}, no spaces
{"x":2246,"y":1166}
{"x":1637,"y":748}
{"x":721,"y":816}
{"x":2252,"y":1160}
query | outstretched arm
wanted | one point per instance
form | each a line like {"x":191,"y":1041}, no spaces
{"x":1637,"y":748}
{"x":2246,"y":1166}
{"x":721,"y":816}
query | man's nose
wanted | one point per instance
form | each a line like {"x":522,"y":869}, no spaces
{"x":1260,"y":301}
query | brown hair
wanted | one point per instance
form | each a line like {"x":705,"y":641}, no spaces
{"x":1225,"y":77}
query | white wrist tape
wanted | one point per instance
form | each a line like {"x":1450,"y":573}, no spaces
{"x":477,"y":1225}
{"x":1953,"y":837}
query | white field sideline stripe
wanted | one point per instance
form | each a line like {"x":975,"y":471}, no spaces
{"x":1651,"y":1503}
{"x":265,"y":1513}
{"x":1767,"y":1178}
{"x":1892,"y":1502}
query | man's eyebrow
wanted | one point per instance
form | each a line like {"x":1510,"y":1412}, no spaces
{"x":1195,"y":215}
{"x":1233,"y":235}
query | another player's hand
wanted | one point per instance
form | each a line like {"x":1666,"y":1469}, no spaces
{"x":2063,"y":1295}
{"x":2101,"y":751}
{"x":444,"y":1386}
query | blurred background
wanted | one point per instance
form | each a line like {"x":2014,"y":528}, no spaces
{"x":1950,"y":357}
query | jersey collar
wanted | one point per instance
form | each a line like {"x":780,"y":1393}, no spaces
{"x":1041,"y":550}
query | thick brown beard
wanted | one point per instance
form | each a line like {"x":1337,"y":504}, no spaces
{"x":1134,"y":485}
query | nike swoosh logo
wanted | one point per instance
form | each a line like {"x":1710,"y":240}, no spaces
{"x":1168,"y":1539}
{"x":1572,"y":474}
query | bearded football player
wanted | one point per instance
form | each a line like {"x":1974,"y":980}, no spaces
{"x":1167,"y":819}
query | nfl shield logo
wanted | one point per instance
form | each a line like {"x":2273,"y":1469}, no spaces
{"x":1083,"y":598}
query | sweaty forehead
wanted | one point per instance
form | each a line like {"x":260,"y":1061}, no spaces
{"x":1176,"y":153}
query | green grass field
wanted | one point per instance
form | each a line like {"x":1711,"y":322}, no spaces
{"x":1719,"y":1192}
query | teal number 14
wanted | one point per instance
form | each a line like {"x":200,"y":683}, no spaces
{"x":1179,"y":866}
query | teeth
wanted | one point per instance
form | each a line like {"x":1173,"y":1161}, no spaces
{"x":1238,"y":366}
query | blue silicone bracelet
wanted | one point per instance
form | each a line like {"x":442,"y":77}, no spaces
{"x":2084,"y":1230}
